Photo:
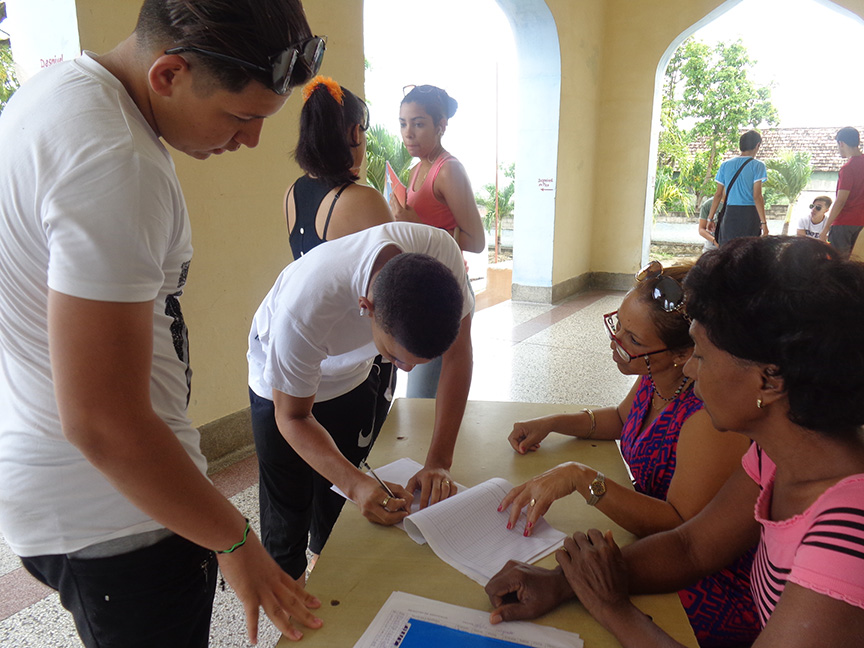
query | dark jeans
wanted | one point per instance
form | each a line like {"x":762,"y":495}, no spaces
{"x":161,"y":595}
{"x":293,"y":498}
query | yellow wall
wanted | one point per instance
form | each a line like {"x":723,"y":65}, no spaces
{"x":234,"y":202}
{"x":580,"y":31}
{"x":610,"y":51}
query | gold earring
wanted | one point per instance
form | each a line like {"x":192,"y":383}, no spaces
{"x":759,"y":403}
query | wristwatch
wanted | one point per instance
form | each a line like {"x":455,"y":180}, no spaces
{"x":597,"y":488}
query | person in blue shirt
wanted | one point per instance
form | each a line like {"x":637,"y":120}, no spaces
{"x":745,"y":206}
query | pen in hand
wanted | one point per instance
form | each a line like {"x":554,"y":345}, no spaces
{"x":386,"y":488}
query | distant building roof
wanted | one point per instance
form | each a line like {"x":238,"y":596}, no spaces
{"x":818,"y":141}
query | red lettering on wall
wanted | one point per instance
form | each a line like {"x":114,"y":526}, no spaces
{"x":50,"y":61}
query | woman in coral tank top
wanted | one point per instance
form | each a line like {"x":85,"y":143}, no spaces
{"x":439,"y":192}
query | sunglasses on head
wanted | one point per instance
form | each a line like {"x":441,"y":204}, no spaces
{"x":668,"y":293}
{"x":309,"y":52}
{"x":817,"y":207}
{"x":425,"y":89}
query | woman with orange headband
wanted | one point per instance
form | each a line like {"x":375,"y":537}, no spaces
{"x":327,"y":203}
{"x":324,"y":204}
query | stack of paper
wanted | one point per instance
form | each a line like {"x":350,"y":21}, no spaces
{"x":467,"y":532}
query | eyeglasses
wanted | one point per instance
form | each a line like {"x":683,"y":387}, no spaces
{"x":667,"y":292}
{"x":613,"y":325}
{"x":309,"y":53}
{"x":817,"y":207}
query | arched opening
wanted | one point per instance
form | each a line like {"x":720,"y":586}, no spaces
{"x":795,"y":35}
{"x":528,"y":99}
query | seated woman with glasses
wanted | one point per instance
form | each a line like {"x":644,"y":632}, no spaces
{"x":438,"y":194}
{"x":777,"y":357}
{"x":678,"y":459}
{"x":327,"y":203}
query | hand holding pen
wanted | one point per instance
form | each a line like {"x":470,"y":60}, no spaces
{"x":393,"y":494}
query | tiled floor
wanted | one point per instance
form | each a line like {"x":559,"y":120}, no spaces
{"x":522,"y":352}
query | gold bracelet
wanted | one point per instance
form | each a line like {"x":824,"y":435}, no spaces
{"x":593,"y":423}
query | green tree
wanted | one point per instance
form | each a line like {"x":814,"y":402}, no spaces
{"x":669,"y":196}
{"x":381,"y":146}
{"x":506,"y":199}
{"x":720,"y":97}
{"x":8,"y":81}
{"x":708,"y":90}
{"x":788,"y":174}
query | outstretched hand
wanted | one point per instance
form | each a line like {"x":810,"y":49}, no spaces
{"x":259,"y":582}
{"x":537,"y":494}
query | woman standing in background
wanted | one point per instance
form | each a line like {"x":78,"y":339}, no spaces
{"x":439,"y":192}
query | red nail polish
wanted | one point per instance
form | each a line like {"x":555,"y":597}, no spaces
{"x":509,"y":526}
{"x":500,"y":508}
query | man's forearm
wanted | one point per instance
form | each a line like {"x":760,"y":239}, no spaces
{"x":148,"y":465}
{"x":316,"y":447}
{"x":453,"y":387}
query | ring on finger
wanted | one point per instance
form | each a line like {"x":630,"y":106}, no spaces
{"x":532,"y":502}
{"x":386,"y":502}
{"x":446,"y":483}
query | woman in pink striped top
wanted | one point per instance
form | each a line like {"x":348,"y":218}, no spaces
{"x":779,"y":357}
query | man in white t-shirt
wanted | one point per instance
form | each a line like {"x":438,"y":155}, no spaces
{"x":398,"y":289}
{"x":104,"y":488}
{"x":812,"y":224}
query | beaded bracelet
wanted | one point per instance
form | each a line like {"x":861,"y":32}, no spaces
{"x":593,"y":423}
{"x":242,"y":542}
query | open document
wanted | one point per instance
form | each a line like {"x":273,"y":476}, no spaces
{"x":467,"y":532}
{"x":408,"y":621}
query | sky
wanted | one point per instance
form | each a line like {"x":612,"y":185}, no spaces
{"x":809,"y":51}
{"x":805,"y":48}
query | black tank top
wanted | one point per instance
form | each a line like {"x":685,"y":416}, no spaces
{"x":309,"y":193}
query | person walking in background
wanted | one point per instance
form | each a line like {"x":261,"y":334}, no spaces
{"x":439,"y":192}
{"x":739,"y":185}
{"x":104,"y":488}
{"x":327,"y":202}
{"x":847,"y":216}
{"x":813,"y":223}
{"x":707,"y":226}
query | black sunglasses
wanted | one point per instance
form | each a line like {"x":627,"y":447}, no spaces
{"x":309,"y":52}
{"x":667,"y":292}
{"x":817,"y":207}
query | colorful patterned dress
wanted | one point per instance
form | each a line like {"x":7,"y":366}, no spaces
{"x":720,"y":606}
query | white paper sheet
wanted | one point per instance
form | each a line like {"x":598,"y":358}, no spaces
{"x":466,"y":531}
